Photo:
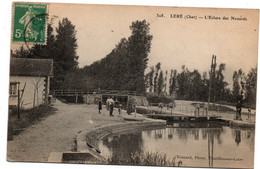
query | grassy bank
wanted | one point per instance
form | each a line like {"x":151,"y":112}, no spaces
{"x":144,"y":159}
{"x":27,"y":118}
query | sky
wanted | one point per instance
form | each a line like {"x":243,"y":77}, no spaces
{"x":176,"y":41}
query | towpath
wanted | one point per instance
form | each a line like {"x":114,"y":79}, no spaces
{"x":56,"y":133}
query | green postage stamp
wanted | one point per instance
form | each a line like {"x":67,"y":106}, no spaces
{"x":29,"y":23}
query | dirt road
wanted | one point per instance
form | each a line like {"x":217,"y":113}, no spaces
{"x":57,"y":132}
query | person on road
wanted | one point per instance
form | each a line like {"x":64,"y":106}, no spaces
{"x":99,"y":106}
{"x":111,"y":106}
{"x":107,"y":104}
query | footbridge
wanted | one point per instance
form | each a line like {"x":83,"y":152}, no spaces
{"x":92,"y":96}
{"x":57,"y":93}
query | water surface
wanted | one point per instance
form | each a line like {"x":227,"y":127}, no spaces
{"x":206,"y":146}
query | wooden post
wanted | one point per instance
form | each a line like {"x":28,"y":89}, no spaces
{"x":212,"y":72}
{"x":18,"y":104}
{"x":207,"y":110}
{"x":135,"y":110}
{"x":127,"y":104}
{"x":250,"y":116}
{"x":76,"y":97}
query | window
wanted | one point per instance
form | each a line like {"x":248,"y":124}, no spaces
{"x":13,"y":89}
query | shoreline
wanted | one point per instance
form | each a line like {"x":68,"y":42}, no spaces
{"x":87,"y":141}
{"x":79,"y":129}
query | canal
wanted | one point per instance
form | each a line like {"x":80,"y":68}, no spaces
{"x":207,"y":145}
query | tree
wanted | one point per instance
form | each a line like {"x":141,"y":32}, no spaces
{"x":183,"y":83}
{"x":173,"y":81}
{"x":165,"y":81}
{"x":237,"y":87}
{"x":157,"y":68}
{"x":220,"y":84}
{"x":66,"y":58}
{"x":205,"y":87}
{"x":251,"y":84}
{"x":139,"y":44}
{"x":160,"y":83}
{"x":124,"y":67}
{"x":20,"y":53}
{"x":61,"y":48}
{"x":110,"y":72}
{"x":195,"y":86}
{"x":37,"y":83}
{"x":150,"y":79}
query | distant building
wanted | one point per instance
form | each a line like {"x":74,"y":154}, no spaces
{"x":32,"y":78}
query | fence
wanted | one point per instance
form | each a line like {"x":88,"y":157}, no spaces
{"x":94,"y":91}
{"x":191,"y":109}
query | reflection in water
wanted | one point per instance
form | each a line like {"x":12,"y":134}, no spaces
{"x":124,"y":145}
{"x":208,"y":146}
{"x":170,"y":134}
{"x":238,"y":137}
{"x":158,"y":134}
{"x":149,"y":133}
{"x":246,"y":135}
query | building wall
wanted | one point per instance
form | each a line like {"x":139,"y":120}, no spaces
{"x":91,"y":98}
{"x":28,"y":96}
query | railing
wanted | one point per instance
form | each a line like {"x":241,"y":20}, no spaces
{"x":187,"y":109}
{"x":95,"y":91}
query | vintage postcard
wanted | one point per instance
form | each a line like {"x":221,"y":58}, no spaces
{"x":133,"y":85}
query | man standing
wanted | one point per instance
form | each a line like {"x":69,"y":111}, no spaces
{"x":107,"y":104}
{"x":111,"y":106}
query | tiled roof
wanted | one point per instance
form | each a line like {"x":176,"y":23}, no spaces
{"x":31,"y":67}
